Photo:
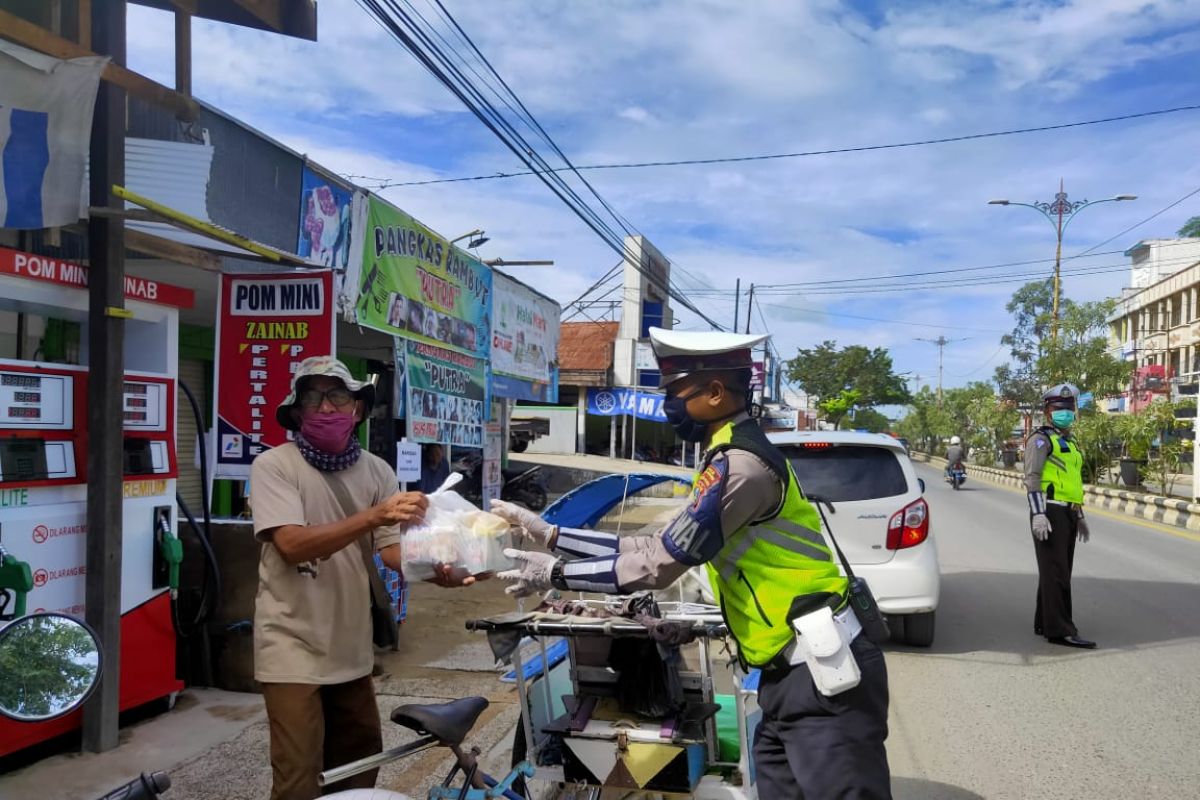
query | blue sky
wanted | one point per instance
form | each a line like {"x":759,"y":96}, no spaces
{"x":632,"y":80}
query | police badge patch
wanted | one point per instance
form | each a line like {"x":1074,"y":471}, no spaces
{"x":694,"y":536}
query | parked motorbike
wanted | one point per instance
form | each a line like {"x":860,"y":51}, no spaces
{"x":956,"y":475}
{"x":524,"y":486}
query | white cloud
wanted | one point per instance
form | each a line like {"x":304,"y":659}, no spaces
{"x":629,"y":81}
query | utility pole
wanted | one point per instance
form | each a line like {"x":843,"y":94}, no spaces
{"x":749,"y":308}
{"x":106,"y":369}
{"x":737,"y":303}
{"x":941,"y":343}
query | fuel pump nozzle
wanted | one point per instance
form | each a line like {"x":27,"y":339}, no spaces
{"x":169,"y":548}
{"x":16,"y":579}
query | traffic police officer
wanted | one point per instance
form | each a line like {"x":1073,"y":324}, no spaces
{"x":1054,"y":481}
{"x":761,"y":542}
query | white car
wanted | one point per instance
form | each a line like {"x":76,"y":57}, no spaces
{"x":881,"y":522}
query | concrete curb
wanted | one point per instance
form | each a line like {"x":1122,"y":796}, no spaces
{"x":1168,"y":511}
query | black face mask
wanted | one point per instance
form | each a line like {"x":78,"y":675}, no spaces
{"x":686,"y":426}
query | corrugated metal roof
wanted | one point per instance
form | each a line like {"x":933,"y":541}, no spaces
{"x":172,"y":173}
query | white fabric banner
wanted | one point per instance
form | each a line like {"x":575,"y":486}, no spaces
{"x":46,"y":107}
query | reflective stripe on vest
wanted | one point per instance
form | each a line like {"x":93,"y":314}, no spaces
{"x":764,"y":566}
{"x":1062,"y":474}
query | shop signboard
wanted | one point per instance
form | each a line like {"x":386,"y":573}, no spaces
{"x":624,"y":401}
{"x":447,"y":396}
{"x":266,"y":325}
{"x":524,"y":342}
{"x":325,"y":220}
{"x":415,"y":284}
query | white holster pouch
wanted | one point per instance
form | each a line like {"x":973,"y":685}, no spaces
{"x":823,"y":642}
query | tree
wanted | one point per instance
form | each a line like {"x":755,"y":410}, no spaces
{"x":839,"y":405}
{"x":1079,"y":355}
{"x":868,"y":419}
{"x":926,"y":423}
{"x":826,"y":370}
{"x":1190,"y":229}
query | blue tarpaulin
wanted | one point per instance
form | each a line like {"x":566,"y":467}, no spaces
{"x":584,"y":506}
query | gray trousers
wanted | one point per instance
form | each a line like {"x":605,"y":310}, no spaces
{"x":817,"y":747}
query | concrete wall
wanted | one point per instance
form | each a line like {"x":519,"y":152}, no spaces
{"x":563,"y":428}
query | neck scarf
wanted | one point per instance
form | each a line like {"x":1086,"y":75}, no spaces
{"x":329,"y":462}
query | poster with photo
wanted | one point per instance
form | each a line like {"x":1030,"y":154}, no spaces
{"x":325,"y":220}
{"x":447,"y":396}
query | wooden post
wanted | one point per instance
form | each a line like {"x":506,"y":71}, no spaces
{"x":183,"y":52}
{"x":106,"y":344}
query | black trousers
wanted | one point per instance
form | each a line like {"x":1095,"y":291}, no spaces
{"x":1056,"y":560}
{"x":817,"y":747}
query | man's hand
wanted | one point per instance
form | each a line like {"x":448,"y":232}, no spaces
{"x":534,"y":526}
{"x":449,"y":576}
{"x":1041,"y":527}
{"x":1082,"y":533}
{"x":402,"y":508}
{"x":532,"y":574}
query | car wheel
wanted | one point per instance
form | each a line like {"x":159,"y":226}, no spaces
{"x":918,"y":629}
{"x":895,"y":623}
{"x":518,"y":445}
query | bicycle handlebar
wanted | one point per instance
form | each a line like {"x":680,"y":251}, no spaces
{"x":143,"y":787}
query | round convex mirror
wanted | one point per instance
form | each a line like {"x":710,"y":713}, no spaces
{"x":49,"y":665}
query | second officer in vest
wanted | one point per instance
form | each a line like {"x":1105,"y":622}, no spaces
{"x":824,"y":692}
{"x":1054,"y":481}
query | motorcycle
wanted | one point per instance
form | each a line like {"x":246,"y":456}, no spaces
{"x":65,"y":656}
{"x":956,"y":475}
{"x":524,"y":486}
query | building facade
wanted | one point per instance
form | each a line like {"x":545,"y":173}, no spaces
{"x":1156,"y":324}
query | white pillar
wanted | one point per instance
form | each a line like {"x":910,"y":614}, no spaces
{"x":581,"y":422}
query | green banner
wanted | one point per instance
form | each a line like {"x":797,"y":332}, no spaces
{"x":447,"y":396}
{"x":417,"y":285}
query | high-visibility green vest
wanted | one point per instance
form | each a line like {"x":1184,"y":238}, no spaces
{"x":763,"y":567}
{"x":1062,"y":475}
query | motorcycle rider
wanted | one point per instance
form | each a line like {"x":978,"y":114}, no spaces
{"x":955,"y":455}
{"x":1054,"y":481}
{"x":761,"y":541}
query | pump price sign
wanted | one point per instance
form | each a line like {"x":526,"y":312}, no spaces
{"x":267,"y":325}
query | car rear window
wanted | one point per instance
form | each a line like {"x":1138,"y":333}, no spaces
{"x":845,"y":473}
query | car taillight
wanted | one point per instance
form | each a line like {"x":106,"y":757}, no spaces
{"x":909,"y":526}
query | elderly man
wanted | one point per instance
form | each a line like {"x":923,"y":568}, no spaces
{"x":322,"y":507}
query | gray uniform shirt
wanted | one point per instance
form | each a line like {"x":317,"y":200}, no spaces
{"x":752,"y":492}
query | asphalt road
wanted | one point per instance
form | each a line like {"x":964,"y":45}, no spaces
{"x":993,"y":711}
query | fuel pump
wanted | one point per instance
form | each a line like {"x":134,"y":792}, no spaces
{"x":43,"y":470}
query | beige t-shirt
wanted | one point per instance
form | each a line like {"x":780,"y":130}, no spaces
{"x":310,"y":629}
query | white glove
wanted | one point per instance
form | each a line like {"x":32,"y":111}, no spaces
{"x":1082,"y":533}
{"x":534,"y":526}
{"x":1041,"y":527}
{"x":533,"y":574}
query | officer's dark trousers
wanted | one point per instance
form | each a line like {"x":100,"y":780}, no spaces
{"x":812,"y":747}
{"x":1055,"y":560}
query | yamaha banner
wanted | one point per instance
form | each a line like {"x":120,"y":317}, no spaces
{"x":622,"y":402}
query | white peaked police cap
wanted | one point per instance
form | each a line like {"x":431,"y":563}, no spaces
{"x":681,"y":353}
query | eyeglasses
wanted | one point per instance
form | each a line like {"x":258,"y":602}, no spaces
{"x":338,"y":396}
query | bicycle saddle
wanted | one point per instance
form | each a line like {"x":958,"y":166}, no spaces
{"x":449,"y":722}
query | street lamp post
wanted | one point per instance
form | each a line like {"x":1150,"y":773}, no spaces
{"x":1060,"y":212}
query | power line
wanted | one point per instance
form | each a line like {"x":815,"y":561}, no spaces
{"x":803,"y":154}
{"x":1161,"y":211}
{"x":403,"y":27}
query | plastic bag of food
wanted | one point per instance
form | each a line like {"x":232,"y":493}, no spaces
{"x":455,"y":532}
